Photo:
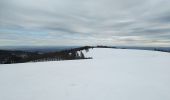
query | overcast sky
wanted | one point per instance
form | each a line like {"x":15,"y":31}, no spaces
{"x":84,"y":22}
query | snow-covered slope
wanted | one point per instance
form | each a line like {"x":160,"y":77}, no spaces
{"x":112,"y":74}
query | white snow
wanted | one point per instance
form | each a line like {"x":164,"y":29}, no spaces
{"x":112,"y":74}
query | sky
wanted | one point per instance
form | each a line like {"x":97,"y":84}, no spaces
{"x":84,"y":22}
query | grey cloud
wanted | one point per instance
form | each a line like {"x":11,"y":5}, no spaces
{"x":111,"y":21}
{"x":164,"y":18}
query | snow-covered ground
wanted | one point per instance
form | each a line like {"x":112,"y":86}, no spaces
{"x":112,"y":74}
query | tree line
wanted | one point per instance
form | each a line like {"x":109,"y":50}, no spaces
{"x":9,"y":57}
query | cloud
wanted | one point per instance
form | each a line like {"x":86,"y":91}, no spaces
{"x":85,"y":22}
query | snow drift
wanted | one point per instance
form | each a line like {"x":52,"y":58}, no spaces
{"x":112,"y":74}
